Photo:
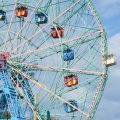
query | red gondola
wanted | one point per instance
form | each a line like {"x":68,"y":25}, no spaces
{"x":21,"y":11}
{"x":57,"y":32}
{"x":4,"y":56}
{"x":71,"y":80}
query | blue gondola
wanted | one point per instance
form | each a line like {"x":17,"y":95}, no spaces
{"x":41,"y":18}
{"x":2,"y":15}
{"x":68,"y":108}
{"x":68,"y":55}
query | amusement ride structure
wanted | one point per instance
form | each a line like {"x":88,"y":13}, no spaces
{"x":53,"y":60}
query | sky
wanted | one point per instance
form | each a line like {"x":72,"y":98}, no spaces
{"x":109,"y":12}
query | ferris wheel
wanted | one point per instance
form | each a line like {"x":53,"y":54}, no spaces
{"x":53,"y":60}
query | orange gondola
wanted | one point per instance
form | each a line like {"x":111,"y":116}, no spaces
{"x":3,"y":57}
{"x":71,"y":80}
{"x":21,"y":11}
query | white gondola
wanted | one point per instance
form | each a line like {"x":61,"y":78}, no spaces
{"x":20,"y":92}
{"x":110,"y":60}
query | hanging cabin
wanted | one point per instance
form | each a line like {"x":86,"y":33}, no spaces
{"x":3,"y":57}
{"x":21,"y":11}
{"x":110,"y":60}
{"x":71,"y":80}
{"x":20,"y":91}
{"x":41,"y":18}
{"x":57,"y":32}
{"x":6,"y":115}
{"x":70,"y":109}
{"x":2,"y":15}
{"x":68,"y":54}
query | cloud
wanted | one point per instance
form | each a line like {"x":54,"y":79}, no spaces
{"x":114,"y":45}
{"x":109,"y":108}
